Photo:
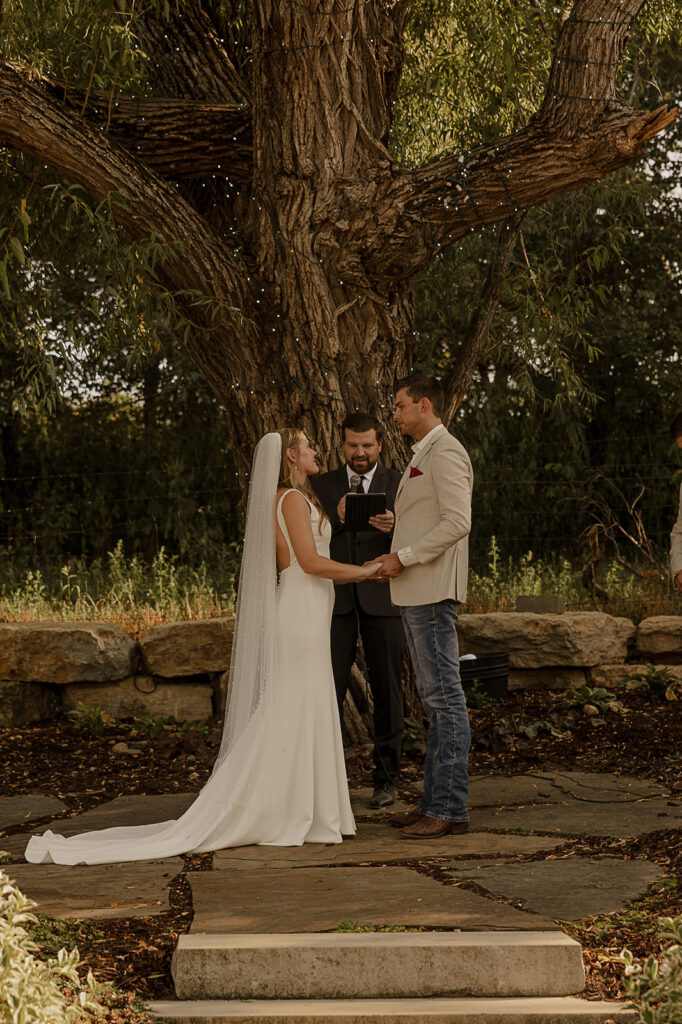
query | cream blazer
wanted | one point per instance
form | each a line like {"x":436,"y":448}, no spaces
{"x":676,"y":542}
{"x":433,"y":517}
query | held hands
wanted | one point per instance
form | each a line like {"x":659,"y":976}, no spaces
{"x":369,"y":571}
{"x":390,"y":566}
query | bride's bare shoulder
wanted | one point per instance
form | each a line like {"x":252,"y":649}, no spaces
{"x":294,"y":498}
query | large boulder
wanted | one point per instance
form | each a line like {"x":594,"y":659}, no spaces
{"x":188,"y":648}
{"x":64,"y":652}
{"x":538,"y":641}
{"x":660,"y":636}
{"x":183,"y":701}
{"x":21,"y":703}
{"x":614,"y":675}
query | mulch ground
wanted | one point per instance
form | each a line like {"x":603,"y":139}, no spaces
{"x":527,"y":732}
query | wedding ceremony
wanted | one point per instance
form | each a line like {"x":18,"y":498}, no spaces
{"x":340,"y":512}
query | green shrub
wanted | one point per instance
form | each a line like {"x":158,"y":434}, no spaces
{"x":33,"y":991}
{"x":655,"y":987}
{"x":596,"y":697}
{"x":659,"y":682}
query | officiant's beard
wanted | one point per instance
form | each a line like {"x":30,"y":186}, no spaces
{"x":361,"y":464}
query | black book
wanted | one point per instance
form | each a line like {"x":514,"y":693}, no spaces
{"x":359,"y":508}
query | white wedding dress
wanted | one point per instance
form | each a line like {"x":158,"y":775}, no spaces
{"x":280,"y":778}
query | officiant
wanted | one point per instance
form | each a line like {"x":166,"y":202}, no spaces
{"x":364,"y":609}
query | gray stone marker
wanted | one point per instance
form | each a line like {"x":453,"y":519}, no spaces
{"x":317,"y":899}
{"x":567,"y":889}
{"x":17,"y":810}
{"x":138,"y":889}
{"x":377,"y":843}
{"x":582,"y":818}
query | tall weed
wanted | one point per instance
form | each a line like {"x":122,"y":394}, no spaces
{"x":138,"y":595}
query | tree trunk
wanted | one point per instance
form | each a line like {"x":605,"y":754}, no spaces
{"x":292,"y":236}
{"x":315,"y":317}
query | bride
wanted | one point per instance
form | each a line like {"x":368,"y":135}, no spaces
{"x":280,"y":777}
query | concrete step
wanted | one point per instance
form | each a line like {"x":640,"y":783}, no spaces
{"x":394,"y":1011}
{"x":377,"y":965}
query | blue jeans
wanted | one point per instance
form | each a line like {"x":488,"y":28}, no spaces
{"x":432,"y":642}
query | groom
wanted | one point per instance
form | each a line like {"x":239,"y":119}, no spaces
{"x":427,"y":568}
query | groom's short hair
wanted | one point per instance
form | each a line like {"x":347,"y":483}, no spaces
{"x":359,"y":423}
{"x":423,"y":385}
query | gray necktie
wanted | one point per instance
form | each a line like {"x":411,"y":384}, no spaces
{"x":357,"y":483}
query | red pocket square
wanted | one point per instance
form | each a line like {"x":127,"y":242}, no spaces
{"x":415,"y":472}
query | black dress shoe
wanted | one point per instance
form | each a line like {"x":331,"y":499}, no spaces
{"x":383,"y":796}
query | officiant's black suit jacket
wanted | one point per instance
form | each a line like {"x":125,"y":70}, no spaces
{"x":357,"y":548}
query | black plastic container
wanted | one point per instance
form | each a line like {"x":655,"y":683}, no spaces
{"x":490,"y":673}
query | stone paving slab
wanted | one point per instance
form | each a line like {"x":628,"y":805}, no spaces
{"x":125,"y":810}
{"x":495,"y":790}
{"x":582,"y":818}
{"x":567,"y":889}
{"x":554,"y":787}
{"x":359,"y":801}
{"x":378,"y":843}
{"x":14,"y":845}
{"x":317,"y":899}
{"x":139,"y":889}
{"x":596,"y":788}
{"x":16,"y":810}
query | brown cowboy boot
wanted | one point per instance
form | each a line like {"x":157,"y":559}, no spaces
{"x":434,"y":828}
{"x":409,"y":818}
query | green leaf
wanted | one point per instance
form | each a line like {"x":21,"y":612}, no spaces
{"x":17,"y":250}
{"x":4,"y":283}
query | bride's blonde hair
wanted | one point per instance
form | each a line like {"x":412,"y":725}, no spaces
{"x":291,"y":439}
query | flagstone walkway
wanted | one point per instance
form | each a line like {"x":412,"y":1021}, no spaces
{"x":379,"y":878}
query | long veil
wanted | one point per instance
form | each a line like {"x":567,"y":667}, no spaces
{"x":242,"y":802}
{"x":253,"y":664}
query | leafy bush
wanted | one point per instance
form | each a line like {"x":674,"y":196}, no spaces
{"x":595,"y":697}
{"x":659,"y":682}
{"x":655,"y":987}
{"x":91,"y":718}
{"x":496,"y":586}
{"x":33,"y":991}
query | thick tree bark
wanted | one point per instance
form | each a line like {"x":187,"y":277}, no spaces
{"x":315,"y":317}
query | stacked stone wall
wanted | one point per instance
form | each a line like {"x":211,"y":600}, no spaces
{"x":180,"y":670}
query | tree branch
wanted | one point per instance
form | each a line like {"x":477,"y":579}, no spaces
{"x":481,"y":321}
{"x":176,"y":138}
{"x":61,"y":139}
{"x":579,"y":135}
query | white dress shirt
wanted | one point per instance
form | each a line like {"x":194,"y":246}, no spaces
{"x":366,"y":477}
